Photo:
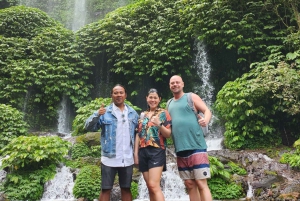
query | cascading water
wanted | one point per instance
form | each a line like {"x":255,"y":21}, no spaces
{"x":203,"y":68}
{"x":63,"y":126}
{"x":60,"y":187}
{"x":79,"y":15}
{"x":171,"y":184}
{"x":214,"y":131}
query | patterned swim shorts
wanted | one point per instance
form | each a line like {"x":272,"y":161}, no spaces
{"x":193,"y":164}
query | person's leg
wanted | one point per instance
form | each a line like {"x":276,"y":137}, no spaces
{"x":107,"y":180}
{"x":153,"y":184}
{"x":105,"y":195}
{"x":192,"y":190}
{"x":204,"y":190}
{"x":125,"y":179}
{"x":126,"y":194}
{"x":193,"y":167}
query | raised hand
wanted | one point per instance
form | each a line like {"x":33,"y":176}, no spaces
{"x":102,"y":110}
{"x":201,"y":121}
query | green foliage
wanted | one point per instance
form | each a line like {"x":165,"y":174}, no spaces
{"x":134,"y":190}
{"x":217,"y":168}
{"x":27,"y":185}
{"x":292,"y":158}
{"x":34,"y":152}
{"x":23,"y":22}
{"x":40,"y":63}
{"x":257,"y":106}
{"x":221,"y":185}
{"x":248,"y":27}
{"x":63,"y":10}
{"x":236,"y":169}
{"x":88,"y":182}
{"x":82,"y":150}
{"x":140,"y":39}
{"x":84,"y":112}
{"x":222,"y":189}
{"x":79,"y":150}
{"x":11,"y":124}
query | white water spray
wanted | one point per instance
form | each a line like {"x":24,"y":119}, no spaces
{"x":61,"y":187}
{"x":172,"y":186}
{"x":64,"y":125}
{"x":79,"y":15}
{"x":203,"y":68}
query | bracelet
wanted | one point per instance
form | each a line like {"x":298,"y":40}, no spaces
{"x":160,"y":125}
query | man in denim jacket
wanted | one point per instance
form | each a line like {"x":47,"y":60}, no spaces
{"x":117,"y":122}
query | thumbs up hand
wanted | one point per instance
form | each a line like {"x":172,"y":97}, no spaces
{"x":102,"y":110}
{"x":201,"y":121}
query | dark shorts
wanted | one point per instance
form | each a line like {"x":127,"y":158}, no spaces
{"x":108,"y":175}
{"x":150,"y":157}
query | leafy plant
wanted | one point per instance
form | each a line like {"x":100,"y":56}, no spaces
{"x":222,"y":189}
{"x":12,"y":124}
{"x":79,"y":150}
{"x":27,"y":184}
{"x":88,"y":182}
{"x":31,"y":153}
{"x":292,"y":158}
{"x":221,"y":184}
{"x":40,"y":63}
{"x":236,"y":169}
{"x":134,"y":190}
{"x":82,"y":150}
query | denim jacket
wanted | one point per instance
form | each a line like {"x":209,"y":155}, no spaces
{"x":108,"y":124}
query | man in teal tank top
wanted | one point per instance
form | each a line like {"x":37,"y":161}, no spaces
{"x":190,"y":145}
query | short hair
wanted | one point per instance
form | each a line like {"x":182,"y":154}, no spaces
{"x":118,"y":85}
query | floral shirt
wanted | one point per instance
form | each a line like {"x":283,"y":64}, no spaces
{"x":149,"y":133}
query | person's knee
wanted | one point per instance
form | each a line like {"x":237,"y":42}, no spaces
{"x":153,"y":186}
{"x":125,"y":190}
{"x":189,"y":184}
{"x":202,"y":184}
{"x":105,"y":191}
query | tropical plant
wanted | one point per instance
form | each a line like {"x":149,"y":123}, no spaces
{"x":33,"y":152}
{"x":12,"y":124}
{"x":221,"y":184}
{"x":27,"y":184}
{"x":40,"y":63}
{"x":88,"y":182}
{"x":141,"y":39}
{"x":292,"y":158}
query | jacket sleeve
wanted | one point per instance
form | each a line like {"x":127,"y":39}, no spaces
{"x":93,"y":122}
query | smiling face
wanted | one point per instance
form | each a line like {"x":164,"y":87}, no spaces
{"x":118,"y":95}
{"x":176,"y":84}
{"x":153,"y":100}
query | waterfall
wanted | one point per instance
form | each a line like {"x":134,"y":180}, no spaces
{"x":64,"y":125}
{"x":213,"y":131}
{"x":203,"y":68}
{"x":79,"y":15}
{"x":171,"y":184}
{"x":60,"y":187}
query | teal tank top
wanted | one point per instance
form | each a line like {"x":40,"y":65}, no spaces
{"x":187,"y":134}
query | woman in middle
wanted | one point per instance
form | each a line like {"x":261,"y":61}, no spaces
{"x":150,"y":144}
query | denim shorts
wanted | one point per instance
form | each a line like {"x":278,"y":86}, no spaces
{"x":108,"y":175}
{"x":150,"y":157}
